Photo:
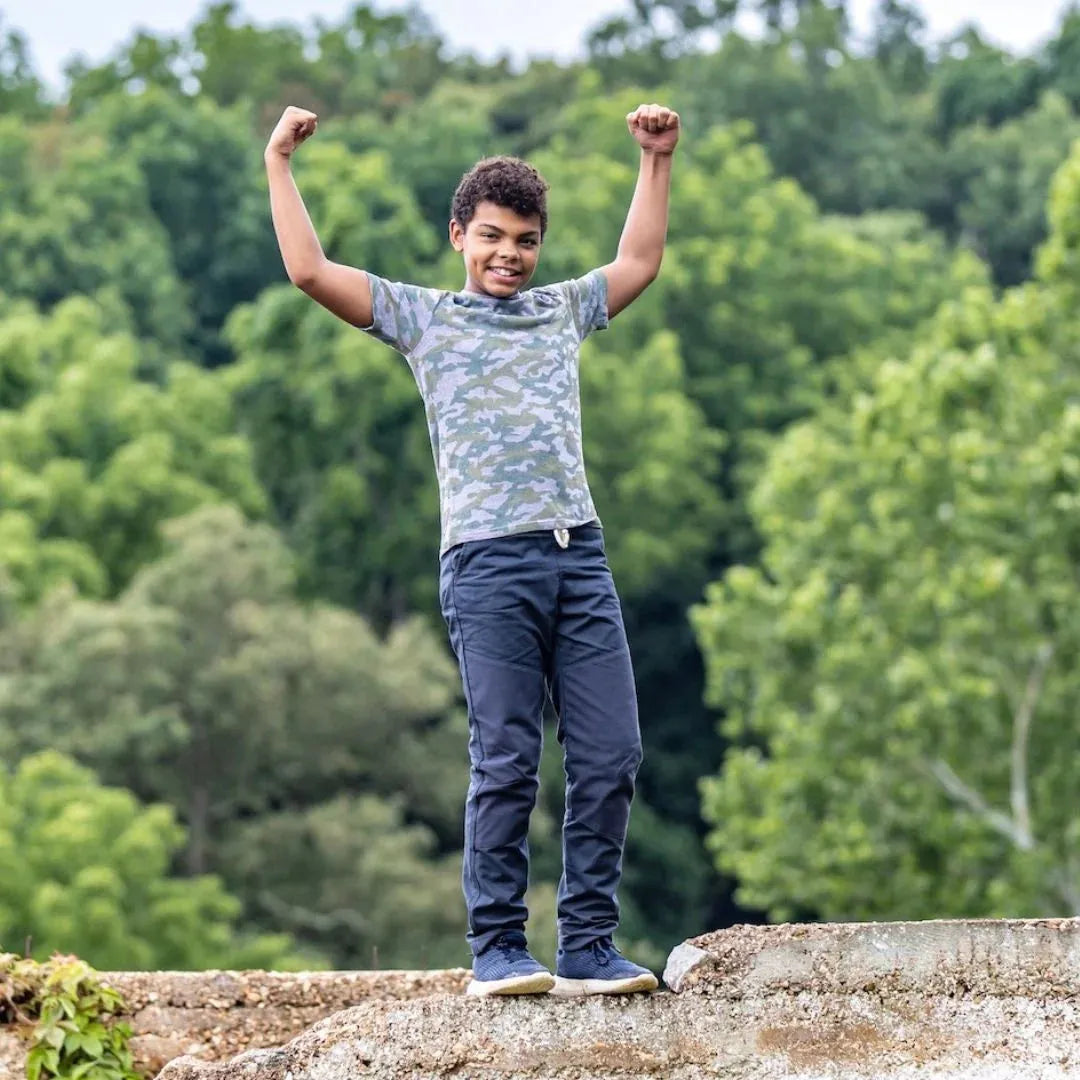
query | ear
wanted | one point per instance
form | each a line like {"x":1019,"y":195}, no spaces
{"x":457,"y":236}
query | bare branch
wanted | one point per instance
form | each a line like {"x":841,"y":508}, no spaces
{"x":960,"y":791}
{"x":1022,"y":720}
{"x":1016,"y":828}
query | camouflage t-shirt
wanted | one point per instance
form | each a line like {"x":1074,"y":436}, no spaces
{"x":499,"y":379}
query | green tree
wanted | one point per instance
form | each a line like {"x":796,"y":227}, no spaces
{"x":392,"y":59}
{"x":368,"y":59}
{"x":897,"y":673}
{"x":366,"y":214}
{"x":85,"y":869}
{"x":75,"y":217}
{"x":897,"y":44}
{"x":764,"y":291}
{"x":206,"y":686}
{"x":639,"y":45}
{"x":838,"y":125}
{"x":92,"y":457}
{"x":353,"y":877}
{"x":199,"y":164}
{"x":238,"y":60}
{"x":787,"y":13}
{"x":431,"y":143}
{"x":665,"y":473}
{"x":1062,"y":57}
{"x":21,"y":91}
{"x":974,"y":81}
{"x":1004,"y":174}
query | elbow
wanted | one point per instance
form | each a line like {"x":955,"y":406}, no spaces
{"x":304,"y":279}
{"x":646,"y":269}
{"x":304,"y":276}
{"x":646,"y":276}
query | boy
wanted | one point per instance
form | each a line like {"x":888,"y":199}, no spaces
{"x":524,"y":584}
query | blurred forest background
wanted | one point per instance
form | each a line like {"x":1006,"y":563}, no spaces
{"x":836,"y":448}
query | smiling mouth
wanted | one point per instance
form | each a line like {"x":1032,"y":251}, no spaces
{"x":504,"y":272}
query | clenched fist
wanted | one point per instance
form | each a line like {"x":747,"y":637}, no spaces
{"x":655,"y":127}
{"x":294,"y":127}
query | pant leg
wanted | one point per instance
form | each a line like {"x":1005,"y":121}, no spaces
{"x":594,"y":694}
{"x":497,"y":598}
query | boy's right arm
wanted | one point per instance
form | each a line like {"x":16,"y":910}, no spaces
{"x":341,"y":289}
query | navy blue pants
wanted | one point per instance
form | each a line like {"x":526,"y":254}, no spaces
{"x":528,"y":618}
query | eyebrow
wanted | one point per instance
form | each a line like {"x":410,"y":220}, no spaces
{"x":488,"y":225}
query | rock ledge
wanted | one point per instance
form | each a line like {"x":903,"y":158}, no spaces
{"x":895,"y":1001}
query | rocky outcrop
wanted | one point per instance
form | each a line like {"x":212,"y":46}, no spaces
{"x":800,"y":1037}
{"x":1036,"y":959}
{"x":965,"y":1001}
{"x":217,"y":1014}
{"x":213,"y":1015}
{"x":902,"y":1001}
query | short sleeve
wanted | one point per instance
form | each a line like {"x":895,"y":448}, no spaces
{"x":587,"y":298}
{"x":401,"y":313}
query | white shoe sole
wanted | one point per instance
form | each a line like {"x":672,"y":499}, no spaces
{"x":539,"y":983}
{"x":583,"y":987}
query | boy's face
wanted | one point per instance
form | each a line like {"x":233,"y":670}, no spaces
{"x":501,"y":249}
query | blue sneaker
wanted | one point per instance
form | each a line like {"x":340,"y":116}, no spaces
{"x":599,"y":969}
{"x":505,"y":967}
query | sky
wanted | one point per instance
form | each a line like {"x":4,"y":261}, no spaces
{"x":57,"y":29}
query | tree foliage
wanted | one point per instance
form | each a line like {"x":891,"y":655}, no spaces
{"x":218,"y":514}
{"x":94,"y":456}
{"x":912,"y":623}
{"x":207,"y":687}
{"x":86,"y":867}
{"x":76,"y":219}
{"x":73,"y":1023}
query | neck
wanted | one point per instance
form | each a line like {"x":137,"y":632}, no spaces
{"x":472,"y":287}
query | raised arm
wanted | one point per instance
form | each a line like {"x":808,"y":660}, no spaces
{"x":641,"y":247}
{"x":343,"y":290}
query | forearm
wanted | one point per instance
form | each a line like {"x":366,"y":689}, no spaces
{"x":300,"y":248}
{"x":645,"y":230}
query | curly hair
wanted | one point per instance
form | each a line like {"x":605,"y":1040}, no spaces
{"x":505,"y":181}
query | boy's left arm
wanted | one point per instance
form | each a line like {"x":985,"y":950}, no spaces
{"x":656,"y":129}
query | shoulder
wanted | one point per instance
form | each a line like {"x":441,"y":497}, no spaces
{"x":574,"y":289}
{"x":585,"y":298}
{"x":406,"y":290}
{"x":401,"y":312}
{"x":556,"y":294}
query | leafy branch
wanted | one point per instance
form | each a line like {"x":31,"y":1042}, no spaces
{"x":73,"y":1019}
{"x":1015,"y":826}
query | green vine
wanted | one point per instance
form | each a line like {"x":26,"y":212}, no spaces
{"x":69,"y":1018}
